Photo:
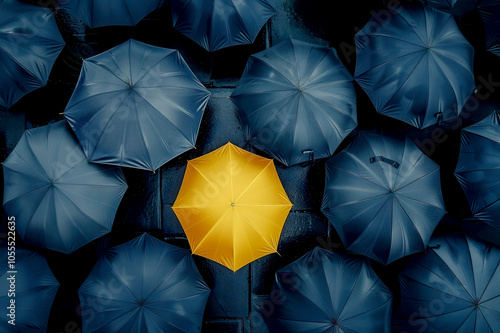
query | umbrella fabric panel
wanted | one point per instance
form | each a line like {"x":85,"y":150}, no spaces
{"x":36,"y":288}
{"x":217,"y":24}
{"x":461,"y":276}
{"x":417,"y":68}
{"x":110,"y":12}
{"x":477,"y":168}
{"x":296,"y":97}
{"x":378,"y":209}
{"x":490,"y":14}
{"x":59,"y":199}
{"x":29,"y":45}
{"x":232,"y":206}
{"x":457,"y":8}
{"x":329,"y":292}
{"x":144,"y":285}
{"x":136,"y":105}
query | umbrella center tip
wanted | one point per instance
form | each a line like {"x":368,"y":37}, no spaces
{"x":232,"y":204}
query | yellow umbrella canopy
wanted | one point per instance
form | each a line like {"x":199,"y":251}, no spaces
{"x":232,"y":206}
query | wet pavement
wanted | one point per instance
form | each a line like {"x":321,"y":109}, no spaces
{"x":238,"y":300}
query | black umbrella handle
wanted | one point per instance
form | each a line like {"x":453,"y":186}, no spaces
{"x":384,"y":159}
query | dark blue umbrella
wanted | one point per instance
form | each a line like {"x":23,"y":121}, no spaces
{"x":60,"y":201}
{"x":136,"y":106}
{"x":144,"y":285}
{"x":416,"y":67}
{"x":383,"y":196}
{"x":296,"y":101}
{"x":453,"y":287}
{"x":490,"y":14}
{"x":478,"y":168}
{"x":327,"y":292}
{"x":29,"y":45}
{"x":35,"y":288}
{"x":216,"y":24}
{"x":457,"y":8}
{"x":110,"y":12}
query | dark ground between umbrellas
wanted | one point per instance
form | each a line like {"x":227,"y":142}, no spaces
{"x":237,"y":297}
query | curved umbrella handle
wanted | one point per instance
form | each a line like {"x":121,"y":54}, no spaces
{"x":384,"y":159}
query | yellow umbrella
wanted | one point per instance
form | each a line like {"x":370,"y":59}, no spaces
{"x":232,"y":206}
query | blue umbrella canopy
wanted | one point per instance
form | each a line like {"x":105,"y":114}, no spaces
{"x":35,"y":290}
{"x":137,"y":106}
{"x":110,"y":12}
{"x":417,"y":67}
{"x":457,"y":8}
{"x":216,"y":24}
{"x":383,"y":196}
{"x":453,"y":287}
{"x":327,"y":292}
{"x":144,"y":285}
{"x":29,"y":45}
{"x":60,"y":201}
{"x":478,"y":168}
{"x":490,"y":14}
{"x":296,"y":100}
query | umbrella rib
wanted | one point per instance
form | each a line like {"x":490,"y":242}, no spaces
{"x":166,"y":320}
{"x":294,"y":137}
{"x":25,"y":193}
{"x":484,"y":318}
{"x":139,"y":125}
{"x":105,"y":257}
{"x":392,"y":37}
{"x":431,"y":287}
{"x":457,"y":279}
{"x":104,"y":128}
{"x":350,"y":293}
{"x":174,"y":300}
{"x":166,"y":118}
{"x":35,"y":158}
{"x":488,"y":284}
{"x":437,"y":50}
{"x":409,"y":25}
{"x":165,"y":278}
{"x":70,"y":169}
{"x":284,"y":98}
{"x":316,"y":305}
{"x":411,"y":222}
{"x":257,"y":231}
{"x":416,"y":180}
{"x":369,"y":310}
{"x":276,"y":70}
{"x":315,"y":67}
{"x":34,"y":210}
{"x":319,"y":124}
{"x":407,"y":173}
{"x":208,"y":180}
{"x":80,"y":210}
{"x":404,"y":83}
{"x":357,"y":201}
{"x":156,"y":64}
{"x":388,"y":61}
{"x":33,"y":76}
{"x":438,"y":315}
{"x":254,"y":180}
{"x":329,"y":83}
{"x":447,"y":80}
{"x":454,"y":253}
{"x":359,"y":176}
{"x":95,"y":329}
{"x":210,"y":231}
{"x":129,"y":14}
